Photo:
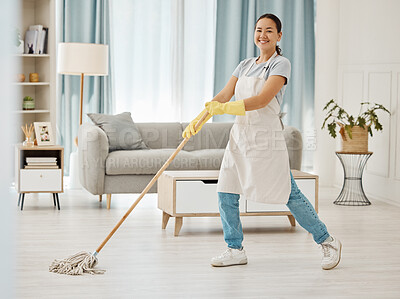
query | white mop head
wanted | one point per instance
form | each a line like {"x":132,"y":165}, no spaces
{"x":78,"y":264}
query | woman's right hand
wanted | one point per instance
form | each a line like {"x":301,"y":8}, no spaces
{"x":190,"y":131}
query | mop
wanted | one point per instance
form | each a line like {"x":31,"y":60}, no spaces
{"x":84,"y":262}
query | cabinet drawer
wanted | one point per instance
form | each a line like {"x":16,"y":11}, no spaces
{"x":198,"y":196}
{"x":306,"y":186}
{"x":40,"y":180}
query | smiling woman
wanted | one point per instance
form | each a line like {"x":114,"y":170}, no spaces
{"x":164,"y":60}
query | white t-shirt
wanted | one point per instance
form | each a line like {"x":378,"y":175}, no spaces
{"x":279,"y":66}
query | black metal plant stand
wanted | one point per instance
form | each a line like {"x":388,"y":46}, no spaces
{"x":352,"y":193}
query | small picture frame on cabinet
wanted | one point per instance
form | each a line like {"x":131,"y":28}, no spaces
{"x":44,"y":133}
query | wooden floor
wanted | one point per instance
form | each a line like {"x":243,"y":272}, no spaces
{"x":144,"y":261}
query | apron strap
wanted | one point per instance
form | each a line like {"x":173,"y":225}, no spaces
{"x":249,"y":67}
{"x":281,"y":114}
{"x":262,"y":75}
{"x":266,"y":67}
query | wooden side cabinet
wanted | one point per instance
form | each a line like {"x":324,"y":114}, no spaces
{"x":39,"y":178}
{"x":194,"y":194}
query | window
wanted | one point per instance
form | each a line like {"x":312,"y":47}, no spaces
{"x":163,"y":58}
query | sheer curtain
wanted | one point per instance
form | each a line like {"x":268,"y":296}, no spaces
{"x":164,"y":57}
{"x":84,"y":22}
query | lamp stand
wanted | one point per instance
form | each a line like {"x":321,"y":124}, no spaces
{"x":73,"y":158}
{"x":81,"y":100}
{"x":80,"y":107}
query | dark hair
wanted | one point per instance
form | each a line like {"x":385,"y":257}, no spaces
{"x":278,"y":24}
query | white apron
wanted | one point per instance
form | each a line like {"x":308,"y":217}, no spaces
{"x":256,"y":161}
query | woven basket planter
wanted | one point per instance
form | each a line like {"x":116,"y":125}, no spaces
{"x":357,"y":144}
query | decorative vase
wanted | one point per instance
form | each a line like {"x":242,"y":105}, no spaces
{"x":28,"y":142}
{"x":359,"y":141}
{"x":33,"y":77}
{"x":20,"y":48}
{"x":21,"y":78}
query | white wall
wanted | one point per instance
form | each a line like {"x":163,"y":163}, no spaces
{"x":362,"y":38}
{"x":8,"y":204}
{"x":326,"y":62}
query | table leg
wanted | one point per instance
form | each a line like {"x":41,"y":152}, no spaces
{"x":58,"y":202}
{"x":22,"y":202}
{"x":108,"y":201}
{"x":54,"y":199}
{"x":19,"y":198}
{"x":292,"y":220}
{"x":178,"y":225}
{"x":165,"y":218}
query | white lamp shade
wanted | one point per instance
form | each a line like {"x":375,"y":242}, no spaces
{"x":82,"y":58}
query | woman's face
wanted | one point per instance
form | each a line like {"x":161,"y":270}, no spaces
{"x":266,"y":35}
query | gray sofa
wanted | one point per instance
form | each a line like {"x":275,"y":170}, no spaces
{"x":129,"y":171}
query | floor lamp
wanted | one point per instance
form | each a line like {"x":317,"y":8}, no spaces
{"x":81,"y":59}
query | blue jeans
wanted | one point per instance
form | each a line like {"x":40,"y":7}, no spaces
{"x":298,"y":204}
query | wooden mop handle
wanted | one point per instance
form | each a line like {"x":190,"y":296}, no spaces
{"x":149,"y":185}
{"x":202,"y":119}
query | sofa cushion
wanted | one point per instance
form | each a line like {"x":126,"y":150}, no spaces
{"x":148,"y":161}
{"x":121,"y":131}
{"x":209,"y":159}
{"x":161,"y":135}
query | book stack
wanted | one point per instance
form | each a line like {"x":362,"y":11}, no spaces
{"x":36,"y":40}
{"x":41,"y":163}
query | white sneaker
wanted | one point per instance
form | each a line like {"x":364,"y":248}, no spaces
{"x":332,"y":252}
{"x":229,"y":258}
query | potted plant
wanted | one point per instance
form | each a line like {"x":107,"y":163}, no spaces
{"x":28,"y":104}
{"x":353,"y":129}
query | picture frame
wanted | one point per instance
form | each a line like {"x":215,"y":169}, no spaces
{"x":44,"y":133}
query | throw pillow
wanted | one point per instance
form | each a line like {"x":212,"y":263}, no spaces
{"x":121,"y":131}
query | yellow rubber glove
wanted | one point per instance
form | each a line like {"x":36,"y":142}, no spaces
{"x":234,"y":108}
{"x":190,"y":131}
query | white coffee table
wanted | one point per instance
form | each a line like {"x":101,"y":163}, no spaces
{"x":193,"y":194}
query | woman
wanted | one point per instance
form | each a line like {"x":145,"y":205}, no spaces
{"x":256,"y":162}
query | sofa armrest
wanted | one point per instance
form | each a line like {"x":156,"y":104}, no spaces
{"x":93,"y":150}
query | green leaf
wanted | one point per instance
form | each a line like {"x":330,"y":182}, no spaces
{"x":361,"y":121}
{"x":332,"y":129}
{"x":340,"y":113}
{"x":378,"y":125}
{"x":351,"y":121}
{"x":381,"y":107}
{"x":349,"y":131}
{"x":325,"y":120}
{"x":333,"y":108}
{"x":328,"y":104}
